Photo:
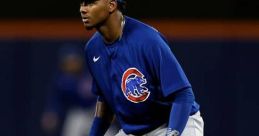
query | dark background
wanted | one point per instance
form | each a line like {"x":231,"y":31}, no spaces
{"x":224,"y":75}
{"x":195,"y":9}
{"x":223,"y":72}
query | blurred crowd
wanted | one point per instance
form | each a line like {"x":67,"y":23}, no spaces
{"x":70,"y":104}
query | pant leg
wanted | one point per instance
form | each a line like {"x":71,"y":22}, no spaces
{"x":194,"y":126}
{"x":122,"y":133}
{"x":160,"y":131}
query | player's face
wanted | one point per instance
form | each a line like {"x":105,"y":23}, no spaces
{"x":94,"y":12}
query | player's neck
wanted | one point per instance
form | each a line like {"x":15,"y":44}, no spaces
{"x":112,"y":30}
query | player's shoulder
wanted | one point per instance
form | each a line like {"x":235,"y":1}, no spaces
{"x":143,"y":35}
{"x":92,"y":41}
{"x":137,"y":29}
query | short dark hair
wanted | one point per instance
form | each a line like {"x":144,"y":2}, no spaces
{"x":121,"y":5}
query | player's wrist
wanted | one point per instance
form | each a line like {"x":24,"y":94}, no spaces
{"x":99,"y":127}
{"x":172,"y":132}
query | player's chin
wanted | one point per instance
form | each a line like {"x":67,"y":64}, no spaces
{"x":88,"y":27}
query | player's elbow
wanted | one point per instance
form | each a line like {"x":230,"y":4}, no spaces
{"x":184,"y":96}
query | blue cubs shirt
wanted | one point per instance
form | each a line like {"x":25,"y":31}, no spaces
{"x":135,"y":75}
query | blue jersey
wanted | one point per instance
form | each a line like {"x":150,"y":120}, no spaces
{"x":136,"y":75}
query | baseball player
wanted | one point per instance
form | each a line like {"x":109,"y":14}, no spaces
{"x":136,"y":76}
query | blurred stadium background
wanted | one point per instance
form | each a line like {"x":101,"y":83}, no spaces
{"x":216,"y":41}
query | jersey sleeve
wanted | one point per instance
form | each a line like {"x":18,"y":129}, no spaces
{"x":95,"y":88}
{"x":165,"y":66}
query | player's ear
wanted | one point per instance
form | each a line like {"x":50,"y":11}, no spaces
{"x":112,"y":5}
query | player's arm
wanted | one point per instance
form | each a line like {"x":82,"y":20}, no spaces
{"x":180,"y":111}
{"x":102,"y":119}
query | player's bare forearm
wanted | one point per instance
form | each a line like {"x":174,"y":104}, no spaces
{"x":103,"y":111}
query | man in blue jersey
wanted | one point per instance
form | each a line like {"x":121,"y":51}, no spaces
{"x":69,"y":101}
{"x":136,"y":76}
